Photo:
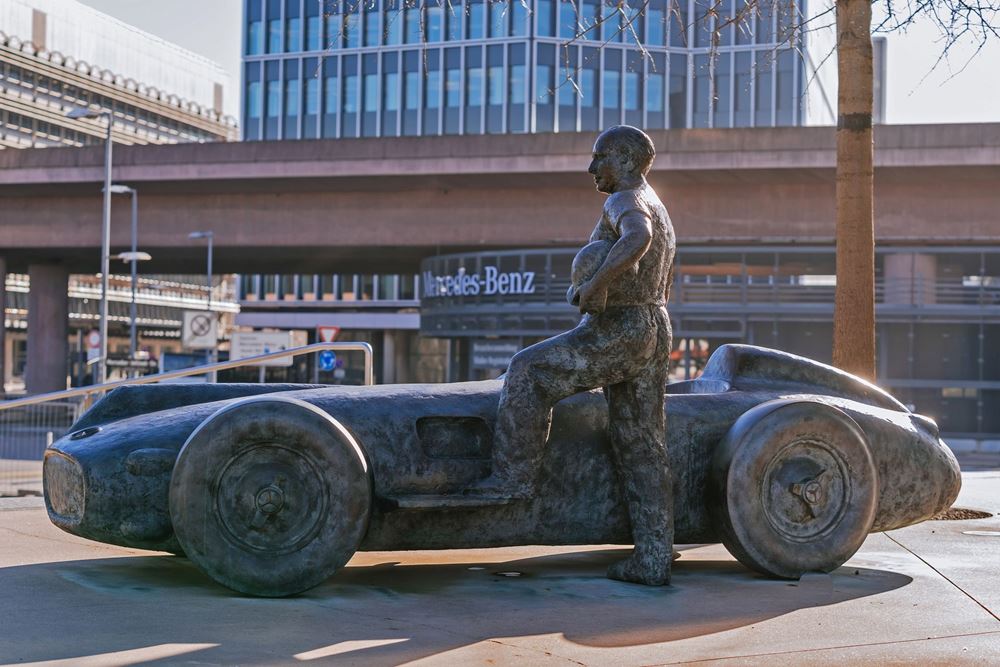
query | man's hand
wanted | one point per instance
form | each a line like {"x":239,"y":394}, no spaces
{"x":593,"y":299}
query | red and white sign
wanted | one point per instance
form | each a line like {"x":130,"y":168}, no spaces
{"x":326,"y":334}
{"x":93,"y":344}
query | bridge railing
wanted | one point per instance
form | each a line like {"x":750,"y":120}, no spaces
{"x":28,"y":425}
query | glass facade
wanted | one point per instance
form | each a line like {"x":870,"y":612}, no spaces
{"x":390,"y":68}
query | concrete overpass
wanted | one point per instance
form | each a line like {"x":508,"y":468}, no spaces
{"x":381,"y":205}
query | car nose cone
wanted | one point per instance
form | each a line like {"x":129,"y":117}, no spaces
{"x":65,"y":493}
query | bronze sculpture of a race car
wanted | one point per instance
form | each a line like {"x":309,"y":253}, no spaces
{"x":272,"y":488}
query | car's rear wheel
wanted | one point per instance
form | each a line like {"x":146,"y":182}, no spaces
{"x":793,"y":488}
{"x":270,"y":496}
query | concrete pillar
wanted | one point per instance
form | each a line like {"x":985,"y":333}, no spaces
{"x":910,"y":278}
{"x":48,"y":329}
{"x":3,"y":325}
{"x":388,"y":357}
{"x":403,"y":345}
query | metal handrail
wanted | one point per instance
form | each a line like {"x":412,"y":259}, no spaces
{"x":199,"y":370}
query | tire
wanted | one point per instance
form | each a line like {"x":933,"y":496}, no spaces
{"x":793,"y":488}
{"x":270,"y":496}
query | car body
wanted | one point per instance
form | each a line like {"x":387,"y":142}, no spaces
{"x":109,"y":479}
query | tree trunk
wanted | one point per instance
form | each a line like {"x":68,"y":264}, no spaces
{"x":854,"y":309}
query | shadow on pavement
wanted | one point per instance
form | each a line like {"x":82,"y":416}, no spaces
{"x":389,"y":613}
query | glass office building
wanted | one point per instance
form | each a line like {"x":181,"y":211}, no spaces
{"x":353,"y":68}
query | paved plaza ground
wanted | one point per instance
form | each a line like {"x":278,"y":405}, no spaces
{"x":927,"y":594}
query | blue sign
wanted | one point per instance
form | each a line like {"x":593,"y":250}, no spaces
{"x":327,"y":360}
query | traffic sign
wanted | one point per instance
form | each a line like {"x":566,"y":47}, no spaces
{"x":250,"y":344}
{"x":93,"y":345}
{"x":200,"y":330}
{"x":326,"y":334}
{"x":327,"y":360}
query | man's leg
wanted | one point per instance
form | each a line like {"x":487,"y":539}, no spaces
{"x":638,"y":439}
{"x":539,"y":377}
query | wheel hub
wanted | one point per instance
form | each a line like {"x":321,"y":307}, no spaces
{"x":806,"y":490}
{"x":269,"y":500}
{"x":259,"y":507}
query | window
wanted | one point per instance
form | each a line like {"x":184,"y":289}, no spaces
{"x":255,"y":28}
{"x":785,"y":96}
{"x":393,"y":22}
{"x":517,"y":96}
{"x":273,"y":98}
{"x":678,"y":90}
{"x":352,"y":25}
{"x":566,"y":94}
{"x":474,"y":92}
{"x":435,"y":21}
{"x":590,"y":83}
{"x":432,"y":90}
{"x":452,"y":90}
{"x":762,"y":90}
{"x":657,"y":23}
{"x":741,"y":97}
{"x":611,"y":87}
{"x":413,"y":23}
{"x":702,"y":91}
{"x":496,"y":84}
{"x":678,"y":15}
{"x":314,"y":25}
{"x":476,"y":18}
{"x":273,"y":26}
{"x":633,"y":88}
{"x":543,"y":17}
{"x":765,"y":20}
{"x":390,"y":93}
{"x":519,"y":19}
{"x":567,"y":19}
{"x":722,"y":97}
{"x":499,"y":16}
{"x":293,"y":27}
{"x":312,"y":96}
{"x":544,"y":88}
{"x":334,"y":24}
{"x":331,"y":97}
{"x":372,"y":32}
{"x":411,"y":92}
{"x":655,"y":90}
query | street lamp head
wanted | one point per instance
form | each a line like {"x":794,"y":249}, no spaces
{"x":201,"y":235}
{"x":134,"y":256}
{"x":118,"y":189}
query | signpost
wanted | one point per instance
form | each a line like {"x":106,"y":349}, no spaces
{"x":326,"y":334}
{"x":93,"y":345}
{"x":200,"y":330}
{"x":493,"y":354}
{"x":249,"y":344}
{"x":327,"y":360}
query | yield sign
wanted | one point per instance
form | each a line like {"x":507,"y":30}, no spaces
{"x":327,"y":334}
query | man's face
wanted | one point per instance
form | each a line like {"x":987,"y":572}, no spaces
{"x":606,"y":166}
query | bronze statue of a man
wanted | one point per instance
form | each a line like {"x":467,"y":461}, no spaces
{"x":622,"y":344}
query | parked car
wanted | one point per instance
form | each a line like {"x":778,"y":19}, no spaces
{"x":272,"y":488}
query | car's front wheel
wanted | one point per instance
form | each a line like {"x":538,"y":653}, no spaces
{"x":270,"y":496}
{"x":793,"y":488}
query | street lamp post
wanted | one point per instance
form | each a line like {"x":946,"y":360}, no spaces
{"x":209,"y":236}
{"x":132,"y":257}
{"x":102,"y":364}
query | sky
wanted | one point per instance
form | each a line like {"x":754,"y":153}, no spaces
{"x":916,"y":91}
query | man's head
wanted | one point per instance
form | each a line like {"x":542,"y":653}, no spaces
{"x":622,"y":156}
